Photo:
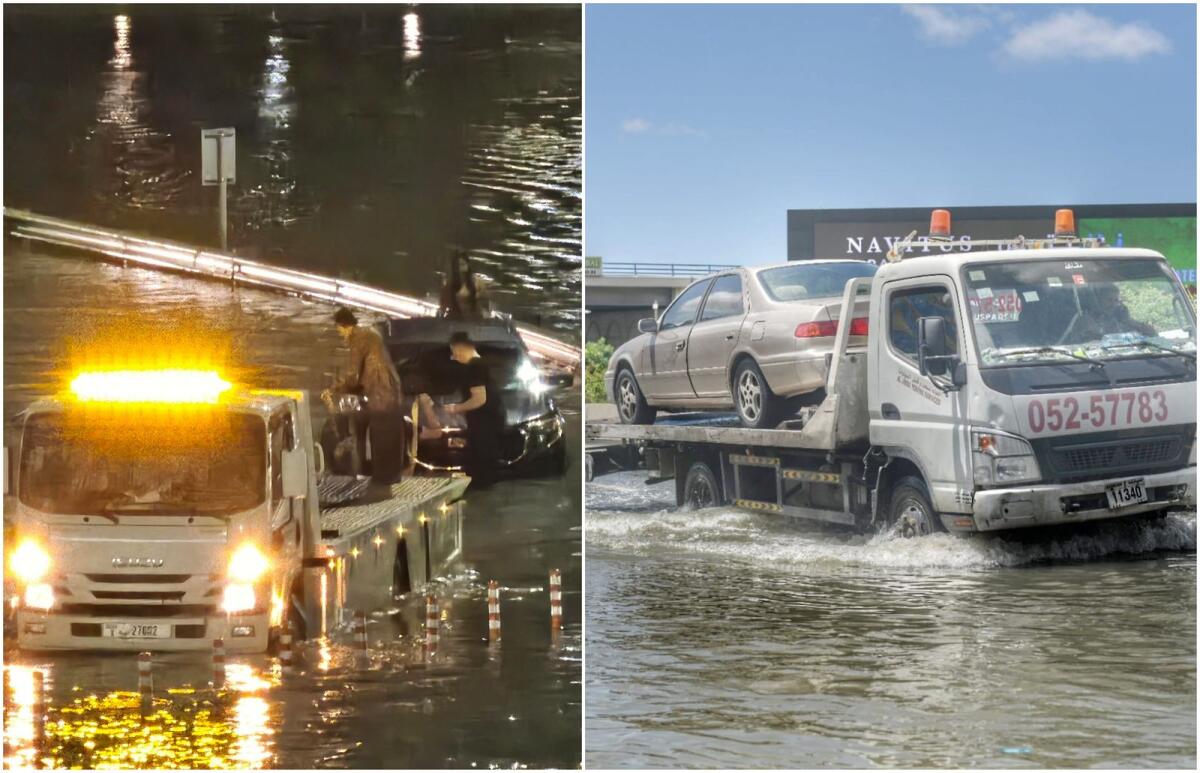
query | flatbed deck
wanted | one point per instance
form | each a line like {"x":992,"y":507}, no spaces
{"x":405,"y":502}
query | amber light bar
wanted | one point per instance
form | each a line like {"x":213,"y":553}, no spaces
{"x":213,"y":265}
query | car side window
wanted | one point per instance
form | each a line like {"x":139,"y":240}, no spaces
{"x":725,"y":298}
{"x":683,"y":310}
{"x":907,"y":306}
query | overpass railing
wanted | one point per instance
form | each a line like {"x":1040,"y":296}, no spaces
{"x":633,"y":268}
{"x":172,"y":256}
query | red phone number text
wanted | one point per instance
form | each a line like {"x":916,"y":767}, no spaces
{"x":1108,"y":410}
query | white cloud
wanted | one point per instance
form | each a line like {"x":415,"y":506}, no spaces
{"x":1078,"y":34}
{"x":642,"y":126}
{"x":948,"y":27}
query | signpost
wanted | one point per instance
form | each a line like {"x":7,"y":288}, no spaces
{"x":218,"y":166}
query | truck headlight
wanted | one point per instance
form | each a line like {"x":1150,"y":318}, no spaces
{"x":1002,"y":459}
{"x":39,"y":596}
{"x":239,"y":597}
{"x":29,"y":562}
{"x":247,"y":564}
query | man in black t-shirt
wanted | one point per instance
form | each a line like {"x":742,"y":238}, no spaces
{"x":481,"y":407}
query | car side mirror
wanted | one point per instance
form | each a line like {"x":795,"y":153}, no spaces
{"x":648,"y":325}
{"x":295,"y":473}
{"x":931,"y":346}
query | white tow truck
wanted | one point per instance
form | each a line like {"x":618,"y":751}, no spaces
{"x":1033,"y":382}
{"x":161,"y":509}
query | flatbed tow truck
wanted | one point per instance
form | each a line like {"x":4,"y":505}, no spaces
{"x":159,"y":510}
{"x":982,"y":400}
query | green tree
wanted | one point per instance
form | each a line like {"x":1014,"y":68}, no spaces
{"x":596,"y":356}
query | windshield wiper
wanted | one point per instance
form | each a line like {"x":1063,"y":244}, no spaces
{"x":1190,"y":355}
{"x":1053,"y":350}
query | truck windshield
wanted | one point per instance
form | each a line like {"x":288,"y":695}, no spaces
{"x":812,"y":280}
{"x":118,"y":465}
{"x":1092,"y":310}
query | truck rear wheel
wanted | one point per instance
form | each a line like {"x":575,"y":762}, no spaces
{"x":700,"y":488}
{"x":631,"y":404}
{"x":910,"y":511}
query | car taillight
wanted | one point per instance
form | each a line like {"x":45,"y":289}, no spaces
{"x":827,"y":329}
{"x":822,"y":329}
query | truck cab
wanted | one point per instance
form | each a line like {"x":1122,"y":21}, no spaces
{"x":163,"y":519}
{"x":1032,"y":387}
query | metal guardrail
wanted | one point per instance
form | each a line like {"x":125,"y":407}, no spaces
{"x":171,"y":256}
{"x":629,"y":268}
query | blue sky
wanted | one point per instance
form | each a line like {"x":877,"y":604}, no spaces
{"x":705,"y":124}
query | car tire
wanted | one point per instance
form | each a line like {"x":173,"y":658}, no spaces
{"x":757,"y":406}
{"x":701,"y":488}
{"x":631,"y":405}
{"x":910,"y":511}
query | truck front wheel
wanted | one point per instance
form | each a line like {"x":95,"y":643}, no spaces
{"x":911,"y":512}
{"x":700,"y":487}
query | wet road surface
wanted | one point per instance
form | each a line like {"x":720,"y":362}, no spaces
{"x":718,"y":638}
{"x":515,"y":705}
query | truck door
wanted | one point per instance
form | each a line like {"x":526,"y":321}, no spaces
{"x":915,"y":418}
{"x":666,"y":374}
{"x":715,"y":335}
{"x":286,"y":526}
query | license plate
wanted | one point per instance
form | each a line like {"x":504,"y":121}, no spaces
{"x":135,"y":631}
{"x":1126,"y":493}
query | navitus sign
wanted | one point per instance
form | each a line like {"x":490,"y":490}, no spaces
{"x":868,"y":234}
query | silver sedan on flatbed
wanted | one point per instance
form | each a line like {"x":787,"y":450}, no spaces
{"x":753,"y":339}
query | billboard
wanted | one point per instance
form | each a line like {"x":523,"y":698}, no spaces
{"x":868,"y":234}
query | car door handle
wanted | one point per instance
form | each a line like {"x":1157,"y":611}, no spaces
{"x":679,"y":346}
{"x":890,"y":411}
{"x":730,"y":337}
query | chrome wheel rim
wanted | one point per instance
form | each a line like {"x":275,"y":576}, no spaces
{"x":750,"y":395}
{"x":626,"y":397}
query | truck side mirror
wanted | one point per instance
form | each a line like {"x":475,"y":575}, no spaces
{"x":931,"y":346}
{"x":295,"y":473}
{"x":648,"y":325}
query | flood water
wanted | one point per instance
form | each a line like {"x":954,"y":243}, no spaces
{"x":371,"y":141}
{"x":718,"y":638}
{"x":518,"y":704}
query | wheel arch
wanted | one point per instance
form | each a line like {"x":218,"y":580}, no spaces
{"x":899,"y":465}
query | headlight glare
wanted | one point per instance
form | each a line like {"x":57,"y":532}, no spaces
{"x":39,"y":596}
{"x":29,"y":562}
{"x":239,"y":597}
{"x":247,"y":564}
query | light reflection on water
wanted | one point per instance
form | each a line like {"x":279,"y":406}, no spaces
{"x":371,"y":142}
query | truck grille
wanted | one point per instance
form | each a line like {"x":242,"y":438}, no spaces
{"x":140,"y":610}
{"x":139,"y":595}
{"x":1105,"y":454}
{"x":145,"y":579}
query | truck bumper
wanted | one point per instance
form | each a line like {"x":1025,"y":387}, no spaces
{"x":1050,"y":505}
{"x":39,"y":631}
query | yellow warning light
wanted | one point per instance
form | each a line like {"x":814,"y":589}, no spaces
{"x":150,"y":386}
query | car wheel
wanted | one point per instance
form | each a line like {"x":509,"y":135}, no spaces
{"x":631,"y":405}
{"x":911,"y":512}
{"x":700,"y":488}
{"x":757,"y":406}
